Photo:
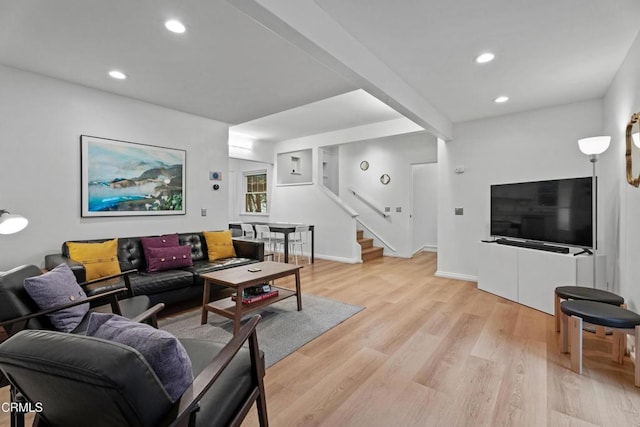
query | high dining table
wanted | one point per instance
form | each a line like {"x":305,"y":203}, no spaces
{"x":284,"y":228}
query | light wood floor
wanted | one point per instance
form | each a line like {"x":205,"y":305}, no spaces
{"x":429,"y":351}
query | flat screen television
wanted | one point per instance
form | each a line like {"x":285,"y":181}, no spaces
{"x":554,"y":211}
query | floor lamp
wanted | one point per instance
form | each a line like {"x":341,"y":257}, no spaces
{"x":11,"y":223}
{"x":593,"y":147}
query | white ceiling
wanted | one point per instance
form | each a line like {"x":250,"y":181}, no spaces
{"x":548,"y":52}
{"x":226,"y":66}
{"x":344,"y":111}
{"x":230,"y":68}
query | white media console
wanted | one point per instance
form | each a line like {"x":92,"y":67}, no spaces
{"x":530,"y":276}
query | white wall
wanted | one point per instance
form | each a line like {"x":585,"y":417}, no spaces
{"x":425,"y":207}
{"x":330,"y":162}
{"x":529,"y":146}
{"x":250,"y":149}
{"x":294,"y":167}
{"x":41,"y":120}
{"x":622,"y":206}
{"x":335,"y":226}
{"x":393,"y":156}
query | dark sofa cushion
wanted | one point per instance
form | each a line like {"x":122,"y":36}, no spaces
{"x":197,"y":243}
{"x":131,"y":254}
{"x":201,"y":267}
{"x":145,"y":283}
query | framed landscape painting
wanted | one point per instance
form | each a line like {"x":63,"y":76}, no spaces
{"x":122,"y":178}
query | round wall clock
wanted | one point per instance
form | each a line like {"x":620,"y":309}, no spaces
{"x":385,"y":179}
{"x":364,"y":165}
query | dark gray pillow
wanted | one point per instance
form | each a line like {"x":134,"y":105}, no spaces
{"x":55,"y":288}
{"x":164,"y":353}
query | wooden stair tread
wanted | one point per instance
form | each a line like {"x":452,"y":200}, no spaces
{"x":365,"y":243}
{"x":371,"y":253}
{"x":368,"y":251}
{"x":372,"y":249}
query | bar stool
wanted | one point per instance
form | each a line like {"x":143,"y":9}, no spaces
{"x":581,"y":293}
{"x":247,"y":231}
{"x":621,"y":320}
{"x":300,"y":238}
{"x":273,"y":243}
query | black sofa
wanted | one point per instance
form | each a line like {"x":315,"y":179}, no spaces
{"x":170,"y":286}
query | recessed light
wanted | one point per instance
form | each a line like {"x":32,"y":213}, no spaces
{"x":501,"y":99}
{"x":485,"y":57}
{"x":117,"y":74}
{"x":175,"y":26}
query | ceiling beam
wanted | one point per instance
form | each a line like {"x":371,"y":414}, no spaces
{"x":304,"y":24}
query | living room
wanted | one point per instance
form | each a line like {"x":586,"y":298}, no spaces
{"x":42,"y":118}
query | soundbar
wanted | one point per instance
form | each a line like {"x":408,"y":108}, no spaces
{"x":533,"y":245}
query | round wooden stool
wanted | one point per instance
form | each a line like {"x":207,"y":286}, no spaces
{"x":582,"y":293}
{"x":620,"y":320}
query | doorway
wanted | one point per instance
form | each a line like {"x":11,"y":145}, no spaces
{"x":424,"y":207}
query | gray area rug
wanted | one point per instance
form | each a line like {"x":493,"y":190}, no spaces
{"x":282,"y":329}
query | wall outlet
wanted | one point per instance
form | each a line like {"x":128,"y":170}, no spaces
{"x":203,"y":211}
{"x":398,"y":209}
{"x":459,"y":211}
{"x":387,"y":208}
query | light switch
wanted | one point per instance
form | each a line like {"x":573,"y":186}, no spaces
{"x":398,"y":209}
{"x":459,"y":211}
{"x":387,"y":208}
{"x":203,"y":211}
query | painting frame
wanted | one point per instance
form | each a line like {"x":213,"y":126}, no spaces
{"x":123,"y":178}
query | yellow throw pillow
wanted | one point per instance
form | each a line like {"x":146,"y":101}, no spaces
{"x":219,"y":244}
{"x":99,"y":259}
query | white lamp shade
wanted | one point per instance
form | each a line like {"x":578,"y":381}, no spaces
{"x":636,"y":139}
{"x":10,"y":224}
{"x":594,"y":145}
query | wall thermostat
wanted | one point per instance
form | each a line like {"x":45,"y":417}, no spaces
{"x":216,"y":187}
{"x":215,"y":176}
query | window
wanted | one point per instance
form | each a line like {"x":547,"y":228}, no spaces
{"x":255,"y":196}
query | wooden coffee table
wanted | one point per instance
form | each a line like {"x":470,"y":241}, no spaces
{"x":240,"y":278}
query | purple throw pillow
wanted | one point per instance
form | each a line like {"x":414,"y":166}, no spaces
{"x":164,"y":241}
{"x":160,"y":259}
{"x":55,"y":288}
{"x":164,"y":353}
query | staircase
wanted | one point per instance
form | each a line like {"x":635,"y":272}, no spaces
{"x":369,"y":251}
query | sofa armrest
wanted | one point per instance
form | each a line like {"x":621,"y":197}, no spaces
{"x":53,"y":260}
{"x":249,"y":249}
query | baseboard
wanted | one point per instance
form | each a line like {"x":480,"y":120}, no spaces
{"x":305,"y":257}
{"x":397,"y":256}
{"x":457,"y":276}
{"x":339,"y":259}
{"x":426,"y":249}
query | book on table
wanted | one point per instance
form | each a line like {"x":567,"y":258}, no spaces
{"x":256,"y":293}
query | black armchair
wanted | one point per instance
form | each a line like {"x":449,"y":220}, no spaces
{"x":78,"y":380}
{"x":18,"y":311}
